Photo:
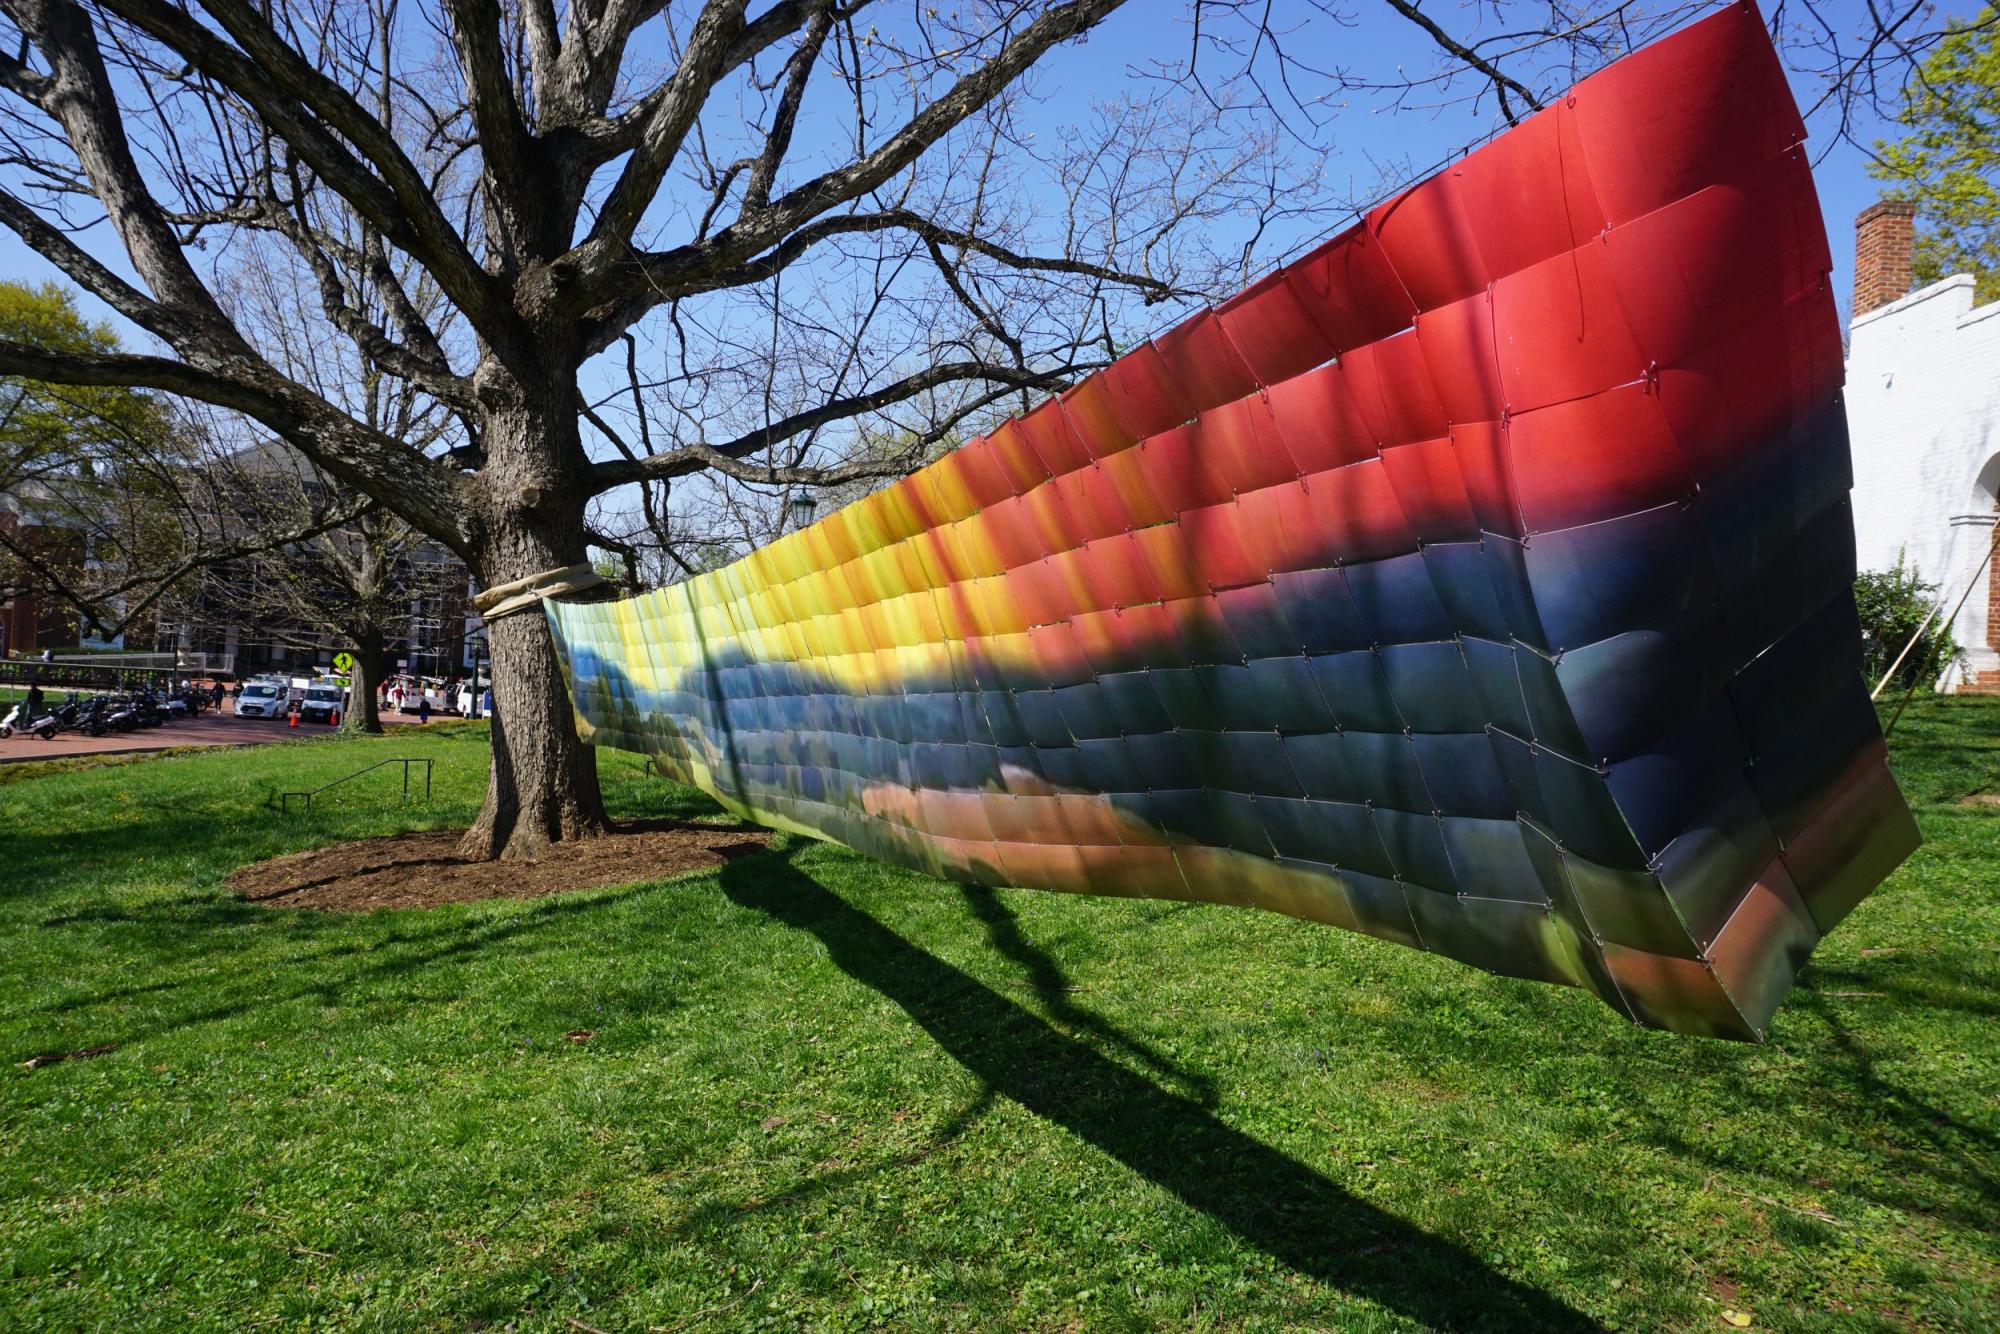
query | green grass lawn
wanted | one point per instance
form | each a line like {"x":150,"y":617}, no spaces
{"x":826,"y":1093}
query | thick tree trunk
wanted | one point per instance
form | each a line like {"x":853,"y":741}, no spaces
{"x":361,"y":715}
{"x":542,"y":787}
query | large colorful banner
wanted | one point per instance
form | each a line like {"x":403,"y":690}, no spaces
{"x":1480,"y":581}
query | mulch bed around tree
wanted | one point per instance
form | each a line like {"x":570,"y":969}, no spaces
{"x":424,"y":870}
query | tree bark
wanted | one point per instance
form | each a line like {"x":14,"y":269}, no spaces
{"x":361,"y":716}
{"x":542,"y":785}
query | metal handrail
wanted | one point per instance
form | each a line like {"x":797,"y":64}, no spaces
{"x":285,"y":798}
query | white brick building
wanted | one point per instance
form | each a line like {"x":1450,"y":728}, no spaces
{"x":1923,"y":410}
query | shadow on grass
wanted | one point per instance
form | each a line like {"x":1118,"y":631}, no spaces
{"x":1051,"y":986}
{"x":1274,"y":1203}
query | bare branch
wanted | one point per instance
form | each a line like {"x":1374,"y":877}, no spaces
{"x":727,"y":458}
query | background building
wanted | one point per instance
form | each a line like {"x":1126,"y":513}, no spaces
{"x":250,"y":614}
{"x":34,"y":617}
{"x":1923,"y":410}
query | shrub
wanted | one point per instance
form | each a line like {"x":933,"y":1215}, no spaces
{"x":1893,"y":603}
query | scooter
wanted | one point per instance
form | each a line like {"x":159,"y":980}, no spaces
{"x":42,"y":726}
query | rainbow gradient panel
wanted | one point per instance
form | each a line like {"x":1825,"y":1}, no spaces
{"x":1480,"y":581}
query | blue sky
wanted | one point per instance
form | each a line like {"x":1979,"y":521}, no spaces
{"x":1360,"y":137}
{"x":1362,"y":134}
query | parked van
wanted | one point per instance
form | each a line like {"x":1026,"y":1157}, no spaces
{"x":323,"y":701}
{"x":263,"y":699}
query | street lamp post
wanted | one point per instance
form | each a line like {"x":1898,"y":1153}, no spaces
{"x":476,"y":641}
{"x":802,"y":506}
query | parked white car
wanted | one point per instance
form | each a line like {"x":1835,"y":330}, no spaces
{"x":263,"y":699}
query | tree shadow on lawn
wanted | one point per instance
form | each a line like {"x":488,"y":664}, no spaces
{"x":1271,"y":1201}
{"x":1939,"y":1160}
{"x":1051,"y":986}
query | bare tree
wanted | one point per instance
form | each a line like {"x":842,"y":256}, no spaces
{"x":822,"y":213}
{"x":555,"y":178}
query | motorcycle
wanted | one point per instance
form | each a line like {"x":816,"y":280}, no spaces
{"x":151,"y":712}
{"x":93,"y":719}
{"x":123,"y":715}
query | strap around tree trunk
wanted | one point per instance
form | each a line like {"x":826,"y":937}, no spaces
{"x":521,"y":594}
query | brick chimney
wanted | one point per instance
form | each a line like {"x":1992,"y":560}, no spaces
{"x":1884,"y":246}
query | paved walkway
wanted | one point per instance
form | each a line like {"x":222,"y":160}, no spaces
{"x":221,"y":728}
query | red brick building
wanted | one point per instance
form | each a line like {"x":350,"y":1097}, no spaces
{"x":31,"y":619}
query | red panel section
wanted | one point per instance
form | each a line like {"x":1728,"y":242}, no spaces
{"x":981,"y":473}
{"x":1204,"y":362}
{"x":1274,"y":333}
{"x":1121,"y":571}
{"x":1594,"y":458}
{"x":1052,"y":438}
{"x":1060,"y":650}
{"x":1053,"y":523}
{"x":1320,"y":421}
{"x":1038,"y":589}
{"x":1182,"y":472}
{"x":1356,"y":508}
{"x":1010,"y":528}
{"x":1431,"y":491}
{"x":1282,"y":528}
{"x":1092,"y":502}
{"x":1168,"y":561}
{"x":1705,"y":105}
{"x":1350,"y":291}
{"x":1222,"y":550}
{"x":1560,"y":332}
{"x":1431,"y":243}
{"x":1457,"y":343}
{"x":1105,"y":647}
{"x":1701,"y":266}
{"x":1017,"y":458}
{"x":1529,"y":192}
{"x":1093,"y":415}
{"x":1089,"y":584}
{"x":1481,"y":449}
{"x":1393,"y":387}
{"x":1142,"y":492}
{"x":1739,"y":393}
{"x":1143,"y":394}
{"x":1240,"y":441}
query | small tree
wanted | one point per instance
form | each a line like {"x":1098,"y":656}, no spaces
{"x":1893,"y":603}
{"x":1948,"y":162}
{"x":345,"y":588}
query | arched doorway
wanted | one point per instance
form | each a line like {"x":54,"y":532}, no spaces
{"x":1978,"y":624}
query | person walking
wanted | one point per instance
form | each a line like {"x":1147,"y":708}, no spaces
{"x":424,"y":709}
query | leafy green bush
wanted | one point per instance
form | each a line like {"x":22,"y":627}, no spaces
{"x":1893,"y":603}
